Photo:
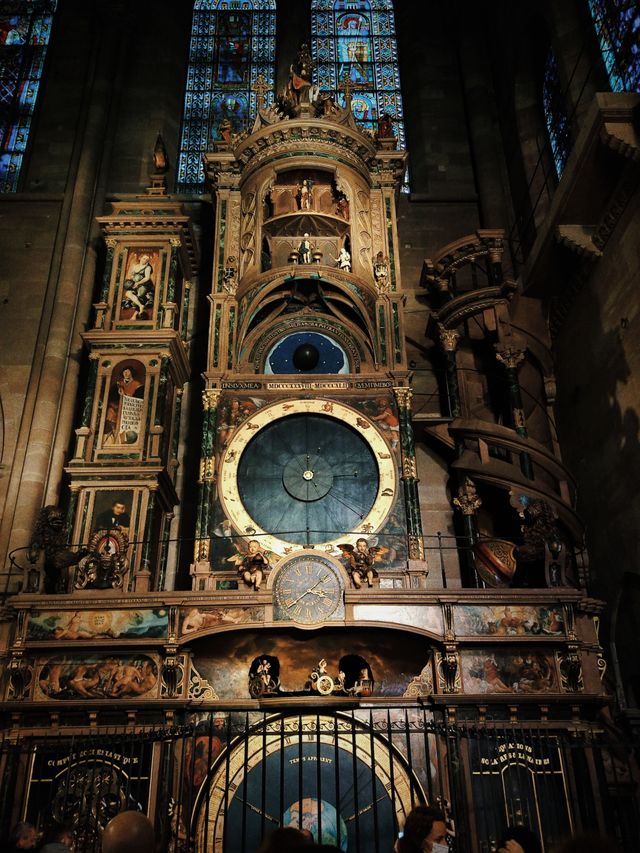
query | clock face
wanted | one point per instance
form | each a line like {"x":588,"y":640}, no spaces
{"x":308,"y":590}
{"x":346,"y":787}
{"x":305,"y":473}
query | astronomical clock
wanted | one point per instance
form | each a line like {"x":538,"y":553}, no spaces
{"x":308,"y":481}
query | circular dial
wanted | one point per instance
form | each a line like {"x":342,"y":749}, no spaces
{"x":306,"y":473}
{"x":308,"y":590}
{"x":335,"y":780}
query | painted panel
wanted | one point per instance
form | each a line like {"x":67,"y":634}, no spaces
{"x":508,"y":620}
{"x":516,"y":671}
{"x":96,"y":677}
{"x":428,"y":618}
{"x":138,"y":297}
{"x":102,"y":624}
{"x":199,"y":619}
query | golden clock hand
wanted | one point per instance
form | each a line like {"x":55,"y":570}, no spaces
{"x":255,"y":809}
{"x":363,"y":810}
{"x":306,"y":592}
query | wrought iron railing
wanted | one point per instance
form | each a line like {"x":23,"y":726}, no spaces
{"x":227,"y":779}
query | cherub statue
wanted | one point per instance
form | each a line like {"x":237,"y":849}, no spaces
{"x":360,"y":560}
{"x":251,"y":564}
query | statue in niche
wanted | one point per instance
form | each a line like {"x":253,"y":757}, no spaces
{"x":304,"y":250}
{"x":50,"y":536}
{"x":343,"y":261}
{"x":229,"y":275}
{"x":304,"y":196}
{"x":381,"y":271}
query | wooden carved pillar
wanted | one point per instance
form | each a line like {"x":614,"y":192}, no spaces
{"x":511,"y":356}
{"x":207,"y":480}
{"x":409,"y":474}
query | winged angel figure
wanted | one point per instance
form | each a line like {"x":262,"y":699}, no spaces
{"x":360,"y":559}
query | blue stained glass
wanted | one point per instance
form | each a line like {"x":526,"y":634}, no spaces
{"x":617,"y":24}
{"x":25,"y":29}
{"x":232,"y":43}
{"x":555,"y":113}
{"x":356,"y":39}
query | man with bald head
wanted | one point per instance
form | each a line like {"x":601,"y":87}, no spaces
{"x":128,"y":832}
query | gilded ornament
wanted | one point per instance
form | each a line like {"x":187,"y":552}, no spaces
{"x":468,"y":501}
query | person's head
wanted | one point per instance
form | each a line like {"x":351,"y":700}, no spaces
{"x":254,"y":546}
{"x":425,"y":830}
{"x":24,"y":836}
{"x":61,"y":834}
{"x":520,"y":839}
{"x":286,"y":839}
{"x":361,"y":545}
{"x":118,"y":508}
{"x":128,"y":832}
{"x":127,"y":374}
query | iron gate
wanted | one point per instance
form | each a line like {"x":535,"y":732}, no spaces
{"x":225,"y":780}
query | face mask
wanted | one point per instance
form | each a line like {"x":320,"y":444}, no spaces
{"x":439,"y":848}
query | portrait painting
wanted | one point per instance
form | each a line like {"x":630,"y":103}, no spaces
{"x":97,"y":677}
{"x":112,"y":513}
{"x":124,"y":410}
{"x":98,"y":624}
{"x":138,"y":293}
{"x":508,"y":620}
{"x":490,"y":670}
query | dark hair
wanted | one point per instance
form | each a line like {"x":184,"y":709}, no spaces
{"x":57,"y":832}
{"x":417,"y":827}
{"x":285,"y":839}
{"x":527,"y":839}
{"x":21,"y":830}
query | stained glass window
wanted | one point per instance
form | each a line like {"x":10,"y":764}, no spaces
{"x":232,"y":43}
{"x":555,"y":113}
{"x":617,"y":24}
{"x":25,"y":28}
{"x":355,"y":40}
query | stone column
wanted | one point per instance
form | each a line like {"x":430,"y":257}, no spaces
{"x":409,"y":474}
{"x":449,"y":340}
{"x":468,"y":503}
{"x":511,"y":356}
{"x":207,"y":480}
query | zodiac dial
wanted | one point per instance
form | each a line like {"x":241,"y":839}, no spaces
{"x":306,"y":473}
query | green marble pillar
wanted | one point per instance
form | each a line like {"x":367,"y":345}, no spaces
{"x":409,"y":474}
